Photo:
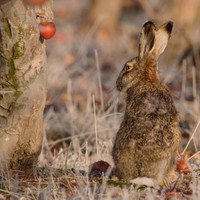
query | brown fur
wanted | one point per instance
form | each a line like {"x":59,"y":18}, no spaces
{"x":148,"y":138}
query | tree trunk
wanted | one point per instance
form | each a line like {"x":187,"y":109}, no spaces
{"x":22,"y":83}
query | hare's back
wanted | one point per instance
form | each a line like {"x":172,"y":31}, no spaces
{"x":152,"y":117}
{"x":153,"y":103}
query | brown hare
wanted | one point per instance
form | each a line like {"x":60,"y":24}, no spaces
{"x":146,"y":143}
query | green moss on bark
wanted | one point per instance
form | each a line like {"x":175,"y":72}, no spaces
{"x":12,"y":70}
{"x":7,"y":27}
{"x":11,"y":77}
{"x":18,"y":49}
{"x":19,"y":46}
{"x":21,"y":32}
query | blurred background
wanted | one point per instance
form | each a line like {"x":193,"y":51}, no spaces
{"x":93,"y":41}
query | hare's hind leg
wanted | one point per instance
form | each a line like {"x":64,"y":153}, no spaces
{"x":170,"y":178}
{"x":126,"y":169}
{"x":171,"y":175}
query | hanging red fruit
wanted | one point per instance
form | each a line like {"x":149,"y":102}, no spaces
{"x":47,"y":30}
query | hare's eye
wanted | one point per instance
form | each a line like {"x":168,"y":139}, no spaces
{"x":128,"y":67}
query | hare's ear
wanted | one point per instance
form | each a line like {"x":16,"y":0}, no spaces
{"x":147,"y":38}
{"x":162,"y":36}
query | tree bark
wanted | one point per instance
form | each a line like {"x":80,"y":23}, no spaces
{"x":23,"y":83}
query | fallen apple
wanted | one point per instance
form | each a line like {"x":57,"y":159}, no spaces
{"x":183,"y":166}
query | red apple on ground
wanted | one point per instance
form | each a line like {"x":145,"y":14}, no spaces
{"x":183,"y":166}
